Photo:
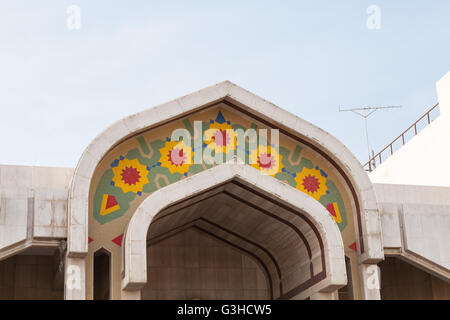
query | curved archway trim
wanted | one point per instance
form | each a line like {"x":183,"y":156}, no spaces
{"x":134,"y":249}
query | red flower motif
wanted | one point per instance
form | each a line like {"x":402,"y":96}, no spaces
{"x":221,"y":138}
{"x":130,"y":175}
{"x":311,"y":183}
{"x":176,"y":156}
{"x":265,"y":160}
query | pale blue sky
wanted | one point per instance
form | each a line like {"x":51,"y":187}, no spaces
{"x":60,"y":88}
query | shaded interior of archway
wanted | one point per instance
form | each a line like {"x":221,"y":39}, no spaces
{"x":282,"y":241}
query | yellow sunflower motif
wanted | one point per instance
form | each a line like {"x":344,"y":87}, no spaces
{"x":221,"y":137}
{"x":130,"y":175}
{"x":176,"y":156}
{"x":311,"y":182}
{"x":267,"y":160}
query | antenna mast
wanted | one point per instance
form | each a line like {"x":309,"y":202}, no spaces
{"x":366,"y":112}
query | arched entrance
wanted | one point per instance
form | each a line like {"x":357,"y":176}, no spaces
{"x":277,"y":230}
{"x":100,"y":210}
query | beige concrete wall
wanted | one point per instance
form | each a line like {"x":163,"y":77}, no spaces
{"x":400,"y":280}
{"x":424,"y":159}
{"x":29,"y":277}
{"x":416,"y":222}
{"x":192,"y":265}
{"x":33,"y":204}
{"x":443,"y":92}
{"x":35,"y":177}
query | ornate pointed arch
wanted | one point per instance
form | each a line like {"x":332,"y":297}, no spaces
{"x":368,"y":239}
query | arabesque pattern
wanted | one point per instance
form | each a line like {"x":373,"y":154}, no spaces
{"x":157,"y":163}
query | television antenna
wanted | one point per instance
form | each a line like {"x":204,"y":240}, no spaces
{"x":366,"y":112}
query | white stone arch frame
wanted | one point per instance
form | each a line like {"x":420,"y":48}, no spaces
{"x":78,"y":203}
{"x":134,"y":248}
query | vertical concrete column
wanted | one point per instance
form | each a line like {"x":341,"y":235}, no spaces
{"x":130,"y":295}
{"x":75,"y":278}
{"x":322,"y":296}
{"x":370,"y":281}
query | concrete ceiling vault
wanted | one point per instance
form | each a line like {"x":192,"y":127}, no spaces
{"x":278,"y":238}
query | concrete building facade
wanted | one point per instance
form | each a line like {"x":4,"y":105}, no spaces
{"x":222,"y":195}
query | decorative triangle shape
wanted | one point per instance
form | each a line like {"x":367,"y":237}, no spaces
{"x":353,"y":247}
{"x":220,"y":119}
{"x":118,"y":240}
{"x":109,"y":204}
{"x":333,"y":209}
